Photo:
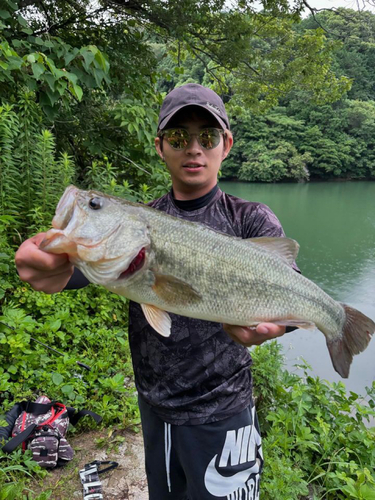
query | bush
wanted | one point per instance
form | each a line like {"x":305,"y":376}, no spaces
{"x":315,"y":435}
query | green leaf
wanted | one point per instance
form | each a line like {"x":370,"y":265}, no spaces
{"x":50,"y":111}
{"x":50,"y":79}
{"x":77,"y":91}
{"x":4,"y":14}
{"x":57,"y":378}
{"x":61,"y":86}
{"x":12,"y":369}
{"x":70,"y":56}
{"x":88,"y":57}
{"x":67,"y":389}
{"x":30,"y":58}
{"x":99,"y":75}
{"x":101,"y":60}
{"x":367,"y":491}
{"x":22,"y":21}
{"x":55,"y":325}
{"x":39,"y":41}
{"x":12,"y":5}
{"x":38,"y":69}
{"x":15,"y":62}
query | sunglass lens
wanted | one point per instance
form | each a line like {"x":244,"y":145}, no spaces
{"x":209,"y":138}
{"x":178,"y":138}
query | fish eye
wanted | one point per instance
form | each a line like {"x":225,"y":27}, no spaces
{"x":95,"y":203}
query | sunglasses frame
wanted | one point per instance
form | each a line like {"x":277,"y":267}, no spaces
{"x":162,"y":133}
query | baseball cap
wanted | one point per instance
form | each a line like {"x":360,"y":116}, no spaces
{"x":192,"y":94}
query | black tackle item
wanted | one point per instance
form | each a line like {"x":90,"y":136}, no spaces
{"x":41,"y":427}
{"x":89,"y":475}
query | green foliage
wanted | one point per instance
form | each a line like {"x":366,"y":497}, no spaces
{"x":6,"y":256}
{"x":31,"y":178}
{"x":315,"y":436}
{"x":15,"y":470}
{"x":272,"y":165}
{"x":32,"y":58}
{"x":86,"y":325}
{"x":355,"y":57}
{"x":254,"y":55}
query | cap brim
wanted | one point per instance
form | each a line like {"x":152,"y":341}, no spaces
{"x":164,"y":121}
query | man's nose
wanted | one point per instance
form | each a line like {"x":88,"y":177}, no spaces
{"x":193,"y":146}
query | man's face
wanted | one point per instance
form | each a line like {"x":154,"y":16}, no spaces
{"x":193,"y":169}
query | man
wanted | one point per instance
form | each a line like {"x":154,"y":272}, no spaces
{"x":199,"y":423}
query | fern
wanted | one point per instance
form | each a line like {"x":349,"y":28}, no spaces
{"x":100,"y":174}
{"x":10,"y":202}
{"x":45,"y":181}
{"x":30,"y":118}
{"x":31,"y":178}
{"x":66,"y":170}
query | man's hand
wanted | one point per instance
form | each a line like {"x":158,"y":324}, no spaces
{"x":254,"y":336}
{"x":45,"y":272}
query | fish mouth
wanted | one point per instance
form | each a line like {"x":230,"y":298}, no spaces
{"x":135,"y":265}
{"x":65,"y":208}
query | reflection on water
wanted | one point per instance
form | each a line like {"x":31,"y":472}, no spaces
{"x":334,"y":224}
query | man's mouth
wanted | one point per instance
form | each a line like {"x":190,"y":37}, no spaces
{"x":135,"y":264}
{"x":192,"y":166}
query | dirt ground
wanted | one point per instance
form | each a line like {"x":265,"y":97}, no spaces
{"x":126,"y":482}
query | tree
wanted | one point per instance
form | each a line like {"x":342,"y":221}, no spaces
{"x":255,"y":55}
{"x":356,"y":57}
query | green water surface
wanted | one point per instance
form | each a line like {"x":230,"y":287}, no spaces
{"x":334,"y":223}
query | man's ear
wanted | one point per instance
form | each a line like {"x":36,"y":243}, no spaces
{"x":228,"y":143}
{"x":158,"y":148}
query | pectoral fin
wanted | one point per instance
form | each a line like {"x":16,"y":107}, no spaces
{"x":158,"y":319}
{"x":174,"y":291}
{"x":284,"y":248}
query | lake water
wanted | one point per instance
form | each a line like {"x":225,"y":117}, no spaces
{"x":334,"y":223}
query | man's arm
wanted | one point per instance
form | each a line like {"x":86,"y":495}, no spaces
{"x":49,"y":273}
{"x":254,"y":336}
{"x":78,"y":280}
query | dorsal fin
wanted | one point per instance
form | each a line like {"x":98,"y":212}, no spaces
{"x":285,"y":248}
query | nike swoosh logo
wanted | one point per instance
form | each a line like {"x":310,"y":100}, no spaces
{"x":220,"y":486}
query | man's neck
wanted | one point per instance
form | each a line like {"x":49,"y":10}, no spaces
{"x":196,"y":203}
{"x":191,"y":194}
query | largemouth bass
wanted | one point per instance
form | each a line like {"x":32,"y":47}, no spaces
{"x":171,"y":265}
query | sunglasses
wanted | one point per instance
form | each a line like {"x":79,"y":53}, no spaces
{"x":179,"y":138}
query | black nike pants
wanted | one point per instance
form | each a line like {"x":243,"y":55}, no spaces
{"x":220,"y":460}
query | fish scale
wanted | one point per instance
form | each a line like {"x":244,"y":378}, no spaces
{"x":168,"y":264}
{"x":251,"y":286}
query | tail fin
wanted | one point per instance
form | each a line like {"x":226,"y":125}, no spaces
{"x":355,"y":336}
